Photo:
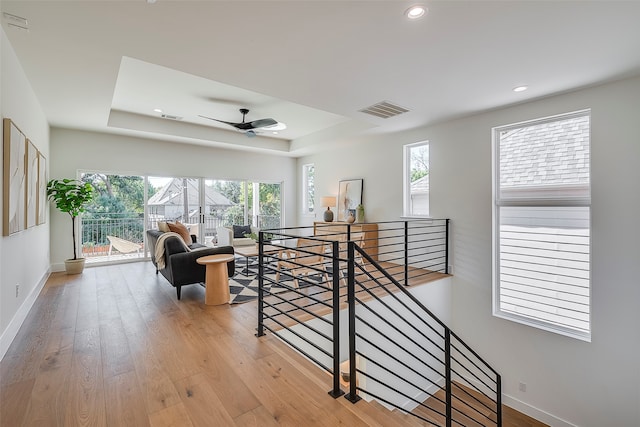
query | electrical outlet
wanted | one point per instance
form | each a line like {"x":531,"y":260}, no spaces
{"x":17,"y":289}
{"x":522,"y":387}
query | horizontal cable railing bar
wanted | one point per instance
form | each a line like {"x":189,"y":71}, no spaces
{"x":470,"y":396}
{"x":395,"y":390}
{"x":453,"y":346}
{"x":391,"y":356}
{"x":304,"y":353}
{"x":404,"y":379}
{"x":405,"y":336}
{"x":469,"y":384}
{"x":305,"y":339}
{"x":309,"y":312}
{"x":382,"y":399}
{"x":366,"y":268}
{"x":441,"y":335}
{"x":400,"y":287}
{"x":470,"y":350}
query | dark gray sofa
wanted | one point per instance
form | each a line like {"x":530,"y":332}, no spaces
{"x":181,"y":267}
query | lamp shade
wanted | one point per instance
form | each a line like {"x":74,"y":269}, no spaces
{"x":328,"y":201}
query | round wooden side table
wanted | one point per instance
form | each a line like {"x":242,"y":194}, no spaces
{"x":216,"y":278}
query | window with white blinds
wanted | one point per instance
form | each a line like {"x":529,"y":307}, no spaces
{"x":542,"y":243}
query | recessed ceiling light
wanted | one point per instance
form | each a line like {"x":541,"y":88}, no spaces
{"x":157,"y":110}
{"x":415,"y":12}
{"x":520,"y":88}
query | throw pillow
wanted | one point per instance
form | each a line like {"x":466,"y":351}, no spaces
{"x":162,"y":226}
{"x":239,"y":231}
{"x":181,"y":229}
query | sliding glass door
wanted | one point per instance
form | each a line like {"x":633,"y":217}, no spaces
{"x":174,"y":199}
{"x":247,"y":203}
{"x":113,"y":228}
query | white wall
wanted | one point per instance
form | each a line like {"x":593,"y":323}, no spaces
{"x":24,"y":256}
{"x":73,"y":150}
{"x":569,"y":382}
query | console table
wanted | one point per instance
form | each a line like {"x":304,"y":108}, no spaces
{"x":338,"y":231}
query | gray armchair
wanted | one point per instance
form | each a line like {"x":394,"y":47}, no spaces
{"x":226,"y":237}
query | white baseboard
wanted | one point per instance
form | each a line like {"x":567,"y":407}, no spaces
{"x":536,"y":413}
{"x":56,"y":268}
{"x":529,"y":410}
{"x":14,"y":326}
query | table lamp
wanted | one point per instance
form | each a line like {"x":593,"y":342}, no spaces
{"x":329,"y":202}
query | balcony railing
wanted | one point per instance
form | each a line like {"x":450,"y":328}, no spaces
{"x":95,"y":227}
{"x":94,"y":232}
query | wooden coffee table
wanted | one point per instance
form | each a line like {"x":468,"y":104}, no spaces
{"x":250,"y":251}
{"x":216,"y":279}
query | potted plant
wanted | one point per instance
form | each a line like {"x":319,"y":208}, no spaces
{"x":71,"y":196}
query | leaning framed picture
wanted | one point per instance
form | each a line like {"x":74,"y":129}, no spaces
{"x":349,"y":196}
{"x":14,"y":178}
{"x":31,"y":202}
{"x":42,"y":189}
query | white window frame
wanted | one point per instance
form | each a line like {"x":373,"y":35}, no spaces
{"x":306,"y":202}
{"x":406,"y":185}
{"x":571,"y":196}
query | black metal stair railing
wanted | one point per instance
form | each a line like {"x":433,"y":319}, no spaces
{"x":397,"y":351}
{"x":299,"y":309}
{"x":402,"y":355}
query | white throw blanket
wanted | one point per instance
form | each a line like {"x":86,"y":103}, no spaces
{"x":159,"y":252}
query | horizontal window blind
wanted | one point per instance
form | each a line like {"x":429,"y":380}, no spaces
{"x":542,"y":241}
{"x":544,"y":265}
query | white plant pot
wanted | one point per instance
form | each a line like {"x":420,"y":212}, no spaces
{"x":74,"y":266}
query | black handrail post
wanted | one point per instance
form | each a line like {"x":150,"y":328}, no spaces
{"x":447,"y":369}
{"x":351,"y":299}
{"x":446,"y":247}
{"x":406,"y":253}
{"x":499,"y":399}
{"x":335,"y":262}
{"x":260,"y":284}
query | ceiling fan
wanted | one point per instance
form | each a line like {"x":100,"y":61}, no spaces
{"x":246,"y":126}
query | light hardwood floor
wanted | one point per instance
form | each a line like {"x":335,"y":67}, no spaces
{"x":113,"y":347}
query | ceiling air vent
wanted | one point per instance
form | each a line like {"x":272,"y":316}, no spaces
{"x":15,"y":21}
{"x":170,"y":117}
{"x":384,"y":109}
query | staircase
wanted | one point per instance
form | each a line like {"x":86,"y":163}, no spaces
{"x":356,"y":311}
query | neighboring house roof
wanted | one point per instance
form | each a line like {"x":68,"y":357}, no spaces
{"x":546,"y":154}
{"x":171,"y":194}
{"x":420,"y":185}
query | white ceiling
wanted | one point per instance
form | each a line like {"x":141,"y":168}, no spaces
{"x":105,"y":65}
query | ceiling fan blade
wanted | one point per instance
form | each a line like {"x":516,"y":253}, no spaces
{"x":263,"y":123}
{"x":246,"y":125}
{"x":221,"y":121}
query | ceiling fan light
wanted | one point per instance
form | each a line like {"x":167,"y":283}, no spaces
{"x":277,"y":126}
